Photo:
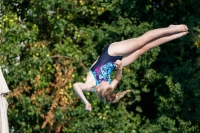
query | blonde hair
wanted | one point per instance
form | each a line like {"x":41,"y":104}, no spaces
{"x":108,"y":95}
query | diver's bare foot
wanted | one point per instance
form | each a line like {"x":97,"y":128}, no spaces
{"x":179,"y":28}
{"x":178,"y":35}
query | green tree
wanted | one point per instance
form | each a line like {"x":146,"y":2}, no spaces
{"x":48,"y":45}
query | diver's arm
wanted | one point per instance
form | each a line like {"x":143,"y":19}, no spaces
{"x":117,"y":78}
{"x":118,"y":74}
{"x":79,"y":88}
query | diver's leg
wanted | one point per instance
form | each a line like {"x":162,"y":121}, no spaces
{"x":128,"y":59}
{"x":129,"y":46}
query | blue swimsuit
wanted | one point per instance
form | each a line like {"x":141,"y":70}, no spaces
{"x":104,"y":66}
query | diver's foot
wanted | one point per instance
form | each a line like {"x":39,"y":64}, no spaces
{"x":179,"y":28}
{"x":180,"y":34}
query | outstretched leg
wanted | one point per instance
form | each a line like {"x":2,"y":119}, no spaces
{"x":130,"y":58}
{"x":126,"y":47}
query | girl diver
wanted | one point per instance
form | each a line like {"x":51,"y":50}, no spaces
{"x":117,"y":55}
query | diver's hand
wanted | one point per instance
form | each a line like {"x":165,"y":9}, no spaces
{"x":88,"y":107}
{"x":118,"y":64}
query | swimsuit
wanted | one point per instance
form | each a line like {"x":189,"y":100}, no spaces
{"x":104,"y":66}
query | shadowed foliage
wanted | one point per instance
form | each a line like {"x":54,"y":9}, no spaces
{"x":47,"y":45}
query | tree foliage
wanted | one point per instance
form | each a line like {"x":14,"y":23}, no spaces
{"x":48,"y":45}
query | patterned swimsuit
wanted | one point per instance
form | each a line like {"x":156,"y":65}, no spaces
{"x":104,"y":66}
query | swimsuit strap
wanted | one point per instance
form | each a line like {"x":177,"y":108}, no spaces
{"x":93,"y":90}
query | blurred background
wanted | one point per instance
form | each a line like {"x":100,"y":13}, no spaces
{"x":47,"y":45}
